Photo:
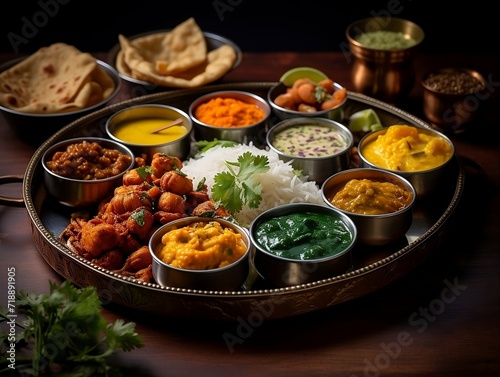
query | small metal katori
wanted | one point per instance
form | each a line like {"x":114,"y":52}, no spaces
{"x":425,"y":182}
{"x":373,"y":229}
{"x":254,"y":133}
{"x":229,"y":277}
{"x":372,"y":269}
{"x":83,"y":192}
{"x":317,"y":168}
{"x":179,"y":147}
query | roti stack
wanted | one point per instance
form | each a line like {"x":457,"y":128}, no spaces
{"x":178,"y":58}
{"x":55,"y":79}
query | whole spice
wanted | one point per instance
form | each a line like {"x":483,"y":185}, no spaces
{"x":453,"y":83}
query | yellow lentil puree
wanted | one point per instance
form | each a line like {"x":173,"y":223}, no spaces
{"x":138,"y":131}
{"x":202,"y":246}
{"x":406,"y":148}
{"x":228,"y":112}
{"x":367,"y":197}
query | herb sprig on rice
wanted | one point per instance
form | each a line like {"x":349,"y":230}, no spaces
{"x":280,"y":184}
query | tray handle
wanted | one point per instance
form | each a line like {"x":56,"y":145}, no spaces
{"x":7,"y":201}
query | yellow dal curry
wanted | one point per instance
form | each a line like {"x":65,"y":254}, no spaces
{"x":202,"y":246}
{"x":367,"y":197}
{"x":407,"y":148}
{"x":138,"y":131}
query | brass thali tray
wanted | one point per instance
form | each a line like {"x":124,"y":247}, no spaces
{"x":373,"y":267}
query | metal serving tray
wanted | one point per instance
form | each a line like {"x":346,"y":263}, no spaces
{"x":374,"y":267}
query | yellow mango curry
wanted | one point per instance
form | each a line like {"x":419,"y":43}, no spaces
{"x":202,"y":246}
{"x":367,"y":197}
{"x":407,"y":148}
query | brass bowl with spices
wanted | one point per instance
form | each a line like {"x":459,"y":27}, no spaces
{"x":452,"y":97}
{"x":379,"y":202}
{"x":232,"y":115}
{"x":202,"y":253}
{"x":318,"y":147}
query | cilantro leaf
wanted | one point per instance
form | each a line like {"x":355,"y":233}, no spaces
{"x":201,"y":184}
{"x":320,"y":94}
{"x":143,"y":171}
{"x":121,"y":335}
{"x":204,"y":145}
{"x":238,"y":187}
{"x":251,"y":165}
{"x":138,"y":216}
{"x":251,"y":192}
{"x":225,"y":191}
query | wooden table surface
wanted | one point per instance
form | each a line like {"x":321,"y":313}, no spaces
{"x":375,"y":335}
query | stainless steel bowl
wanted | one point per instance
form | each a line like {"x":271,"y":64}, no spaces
{"x":77,"y":192}
{"x":36,"y":128}
{"x":384,"y":74}
{"x":426,"y":181}
{"x":282,"y":271}
{"x":230,"y":277}
{"x":335,"y":113}
{"x":179,"y":147}
{"x":316,"y":168}
{"x":377,"y":229}
{"x":242,"y":134}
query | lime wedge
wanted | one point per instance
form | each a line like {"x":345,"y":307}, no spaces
{"x":364,"y":121}
{"x":292,"y":75}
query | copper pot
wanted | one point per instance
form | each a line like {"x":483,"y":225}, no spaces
{"x":453,"y":111}
{"x":382,"y":73}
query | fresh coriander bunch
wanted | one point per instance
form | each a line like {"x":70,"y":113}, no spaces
{"x":64,"y":334}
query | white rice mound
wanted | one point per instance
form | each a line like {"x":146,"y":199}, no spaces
{"x":280,"y":184}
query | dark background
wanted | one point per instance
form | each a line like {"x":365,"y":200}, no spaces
{"x":255,"y":25}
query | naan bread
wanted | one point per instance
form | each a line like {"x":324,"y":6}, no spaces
{"x":55,"y":79}
{"x":177,"y":58}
